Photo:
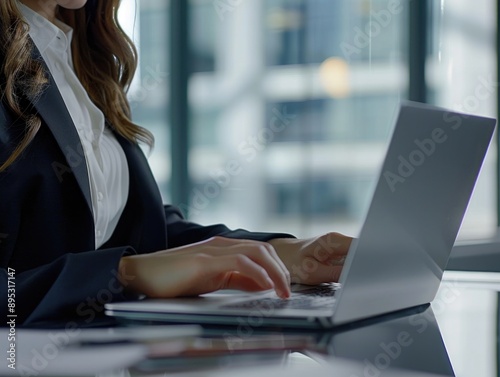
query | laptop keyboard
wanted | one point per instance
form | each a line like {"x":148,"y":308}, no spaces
{"x":312,"y":298}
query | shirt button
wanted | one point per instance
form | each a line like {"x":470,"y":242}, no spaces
{"x":58,"y":66}
{"x":100,"y":196}
{"x":98,"y":233}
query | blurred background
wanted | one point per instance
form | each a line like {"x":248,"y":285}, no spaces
{"x":275,"y":115}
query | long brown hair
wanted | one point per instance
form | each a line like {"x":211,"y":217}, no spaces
{"x":104,"y":57}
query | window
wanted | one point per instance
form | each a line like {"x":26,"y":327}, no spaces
{"x":462,"y":76}
{"x":292,"y":102}
{"x":291,"y":124}
{"x":146,"y":22}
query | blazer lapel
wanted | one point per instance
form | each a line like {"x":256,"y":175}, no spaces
{"x":51,"y":107}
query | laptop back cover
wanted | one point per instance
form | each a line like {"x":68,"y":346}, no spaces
{"x":419,"y":202}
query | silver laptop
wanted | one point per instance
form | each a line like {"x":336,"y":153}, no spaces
{"x":397,"y":261}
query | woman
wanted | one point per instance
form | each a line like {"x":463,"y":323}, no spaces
{"x":81,"y":218}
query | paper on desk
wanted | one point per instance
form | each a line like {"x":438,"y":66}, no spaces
{"x":44,"y":353}
{"x":56,"y":352}
{"x":147,"y":334}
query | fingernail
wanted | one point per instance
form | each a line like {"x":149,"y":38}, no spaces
{"x":283,"y":294}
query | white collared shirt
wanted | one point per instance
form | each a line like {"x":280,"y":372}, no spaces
{"x":106,"y":161}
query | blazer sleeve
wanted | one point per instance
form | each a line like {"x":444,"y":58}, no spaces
{"x":182,"y":232}
{"x":74,"y":286}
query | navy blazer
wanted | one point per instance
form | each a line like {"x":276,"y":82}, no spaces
{"x":47,"y":245}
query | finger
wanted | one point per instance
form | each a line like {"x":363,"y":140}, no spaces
{"x":228,"y":242}
{"x":281,"y":264}
{"x":274,"y":255}
{"x":244,"y":283}
{"x":227,"y":267}
{"x":259,"y":254}
{"x":259,"y":257}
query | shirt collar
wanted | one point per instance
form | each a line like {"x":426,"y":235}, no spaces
{"x":44,"y":33}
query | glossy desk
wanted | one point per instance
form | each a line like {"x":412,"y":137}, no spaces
{"x":456,"y":335}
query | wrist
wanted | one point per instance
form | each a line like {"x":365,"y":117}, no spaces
{"x":126,"y":274}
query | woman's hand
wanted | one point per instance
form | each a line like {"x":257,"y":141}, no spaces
{"x":315,"y":260}
{"x":207,"y":266}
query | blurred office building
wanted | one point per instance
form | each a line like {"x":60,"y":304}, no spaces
{"x":292,"y":102}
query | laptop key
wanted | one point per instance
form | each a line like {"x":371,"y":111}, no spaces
{"x":313,"y":298}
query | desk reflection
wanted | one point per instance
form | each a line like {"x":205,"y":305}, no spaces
{"x":408,"y":340}
{"x":467,"y":310}
{"x":457,"y":334}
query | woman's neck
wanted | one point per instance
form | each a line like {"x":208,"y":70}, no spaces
{"x":46,"y":9}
